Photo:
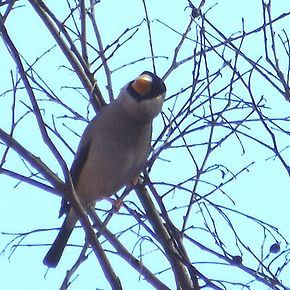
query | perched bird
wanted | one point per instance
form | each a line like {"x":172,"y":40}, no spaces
{"x":113,"y":150}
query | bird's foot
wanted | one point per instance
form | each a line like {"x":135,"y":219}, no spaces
{"x":117,"y":204}
{"x":135,"y":181}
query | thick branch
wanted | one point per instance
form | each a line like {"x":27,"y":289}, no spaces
{"x":82,"y":71}
{"x":125,"y":254}
{"x":33,"y":160}
{"x":182,"y":276}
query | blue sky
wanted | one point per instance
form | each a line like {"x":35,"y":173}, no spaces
{"x":263,"y":191}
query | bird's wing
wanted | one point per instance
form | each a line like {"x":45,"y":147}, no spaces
{"x":77,"y":165}
{"x":79,"y":161}
{"x":75,"y":170}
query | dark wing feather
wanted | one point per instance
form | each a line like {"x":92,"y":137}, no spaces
{"x":79,"y":162}
{"x":75,"y":170}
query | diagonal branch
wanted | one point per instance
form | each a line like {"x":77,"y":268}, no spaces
{"x":181,"y":274}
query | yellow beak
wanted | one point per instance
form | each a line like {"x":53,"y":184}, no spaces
{"x":142,"y":84}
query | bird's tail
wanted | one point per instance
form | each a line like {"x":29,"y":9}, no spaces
{"x":54,"y":254}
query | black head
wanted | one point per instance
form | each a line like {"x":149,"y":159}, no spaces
{"x":146,"y":86}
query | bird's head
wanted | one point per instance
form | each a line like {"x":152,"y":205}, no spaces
{"x":143,"y":97}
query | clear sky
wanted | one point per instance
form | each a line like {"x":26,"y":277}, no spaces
{"x":262,"y":191}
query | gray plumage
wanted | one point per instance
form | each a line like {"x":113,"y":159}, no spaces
{"x":113,"y":150}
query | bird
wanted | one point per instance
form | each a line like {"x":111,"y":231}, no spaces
{"x":112,"y":152}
